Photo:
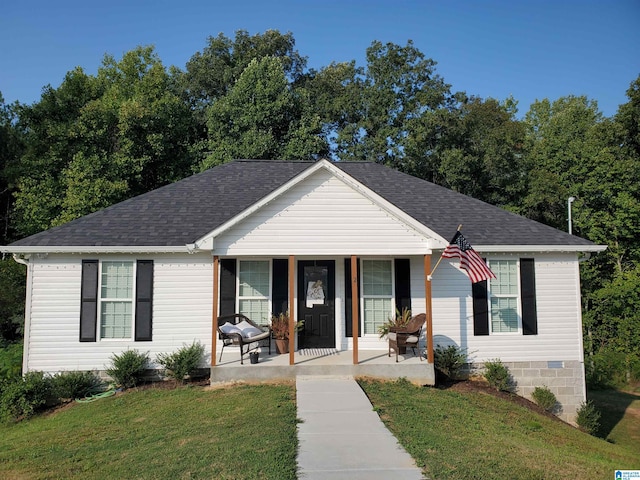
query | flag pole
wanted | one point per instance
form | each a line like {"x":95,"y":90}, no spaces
{"x":430,"y":276}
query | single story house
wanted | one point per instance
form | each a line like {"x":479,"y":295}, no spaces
{"x":154,"y":272}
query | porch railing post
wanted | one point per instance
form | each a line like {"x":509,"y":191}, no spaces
{"x":292,"y":310}
{"x":427,"y":288}
{"x":355,"y":302}
{"x":214,"y":311}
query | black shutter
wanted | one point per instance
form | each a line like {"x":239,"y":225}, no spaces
{"x":403,"y":284}
{"x":144,"y":301}
{"x":89,"y":301}
{"x":480,"y":308}
{"x":528,"y":296}
{"x":227,"y":286}
{"x":280,"y":286}
{"x":348,"y":300}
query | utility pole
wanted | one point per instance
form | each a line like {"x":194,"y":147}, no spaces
{"x":569,"y":202}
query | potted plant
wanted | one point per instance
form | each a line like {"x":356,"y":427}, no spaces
{"x":280,"y":331}
{"x":395,"y":323}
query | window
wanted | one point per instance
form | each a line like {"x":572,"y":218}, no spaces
{"x":110,"y":297}
{"x":503,"y":297}
{"x":116,"y":299}
{"x":254,"y":289}
{"x":377,"y":293}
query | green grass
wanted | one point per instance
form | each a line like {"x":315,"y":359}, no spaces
{"x":249,"y":432}
{"x":620,"y":420}
{"x":242,"y":432}
{"x":474,"y":435}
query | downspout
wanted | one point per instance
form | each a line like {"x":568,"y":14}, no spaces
{"x":27,"y":311}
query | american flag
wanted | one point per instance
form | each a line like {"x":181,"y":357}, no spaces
{"x":469,"y":259}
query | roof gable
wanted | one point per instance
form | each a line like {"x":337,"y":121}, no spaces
{"x":323,"y":213}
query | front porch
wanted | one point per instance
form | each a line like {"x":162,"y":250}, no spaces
{"x":373,"y":363}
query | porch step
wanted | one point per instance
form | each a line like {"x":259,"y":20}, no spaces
{"x":275,"y":367}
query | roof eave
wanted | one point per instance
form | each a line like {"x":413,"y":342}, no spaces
{"x":539,"y":248}
{"x":84,"y":249}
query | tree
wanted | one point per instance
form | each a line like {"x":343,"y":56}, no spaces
{"x":11,"y":147}
{"x":575,"y":152}
{"x":210,"y":74}
{"x":562,"y":152}
{"x":12,"y":294}
{"x":49,"y":147}
{"x":476,"y":148}
{"x":397,"y":88}
{"x":263,"y":117}
{"x":98,"y":140}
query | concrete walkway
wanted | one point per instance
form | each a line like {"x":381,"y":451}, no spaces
{"x":341,"y":437}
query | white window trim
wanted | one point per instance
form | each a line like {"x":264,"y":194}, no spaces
{"x":518,"y":297}
{"x":270,"y":295}
{"x":134,"y":272}
{"x":363,"y":296}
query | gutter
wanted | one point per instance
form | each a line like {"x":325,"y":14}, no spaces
{"x":20,"y":260}
{"x":79,"y":249}
{"x":27,"y":312}
{"x":539,"y":248}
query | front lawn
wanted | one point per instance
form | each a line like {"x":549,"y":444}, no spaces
{"x":473,"y":434}
{"x":240,"y":432}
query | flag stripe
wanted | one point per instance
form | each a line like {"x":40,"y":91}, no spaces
{"x":470,"y":261}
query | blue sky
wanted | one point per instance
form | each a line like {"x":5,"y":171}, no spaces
{"x":528,"y":49}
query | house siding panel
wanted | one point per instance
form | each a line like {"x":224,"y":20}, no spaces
{"x":559,"y":320}
{"x":320,"y":216}
{"x":181,"y":312}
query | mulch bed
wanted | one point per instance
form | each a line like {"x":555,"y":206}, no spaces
{"x":479,"y":387}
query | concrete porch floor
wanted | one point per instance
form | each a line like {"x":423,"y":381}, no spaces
{"x":372,"y":363}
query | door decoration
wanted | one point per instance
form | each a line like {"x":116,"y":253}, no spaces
{"x":316,"y":281}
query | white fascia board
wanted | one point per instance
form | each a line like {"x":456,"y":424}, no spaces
{"x":539,"y":248}
{"x":97,"y":249}
{"x":206,"y":242}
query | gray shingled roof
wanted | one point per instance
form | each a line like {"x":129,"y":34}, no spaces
{"x":180,"y":213}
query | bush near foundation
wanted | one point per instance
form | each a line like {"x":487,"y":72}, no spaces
{"x":498,"y":376}
{"x":128,"y":368}
{"x":70,"y":385}
{"x":21,"y":397}
{"x":450,"y":360}
{"x":588,"y":418}
{"x":545,"y":399}
{"x":182,"y":363}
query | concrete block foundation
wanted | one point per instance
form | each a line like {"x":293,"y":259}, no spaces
{"x":564,"y":378}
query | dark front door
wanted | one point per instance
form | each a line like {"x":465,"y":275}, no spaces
{"x":316,"y":303}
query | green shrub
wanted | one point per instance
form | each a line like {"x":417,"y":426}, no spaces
{"x":11,"y":361}
{"x":609,"y":368}
{"x":450,"y":360}
{"x":128,"y":368}
{"x":69,"y":385}
{"x":545,"y":399}
{"x":23,"y":396}
{"x":183,"y":362}
{"x":588,"y":418}
{"x":498,"y":376}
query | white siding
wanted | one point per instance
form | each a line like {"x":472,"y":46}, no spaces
{"x":559,"y":315}
{"x":181,"y":312}
{"x":321,"y":216}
